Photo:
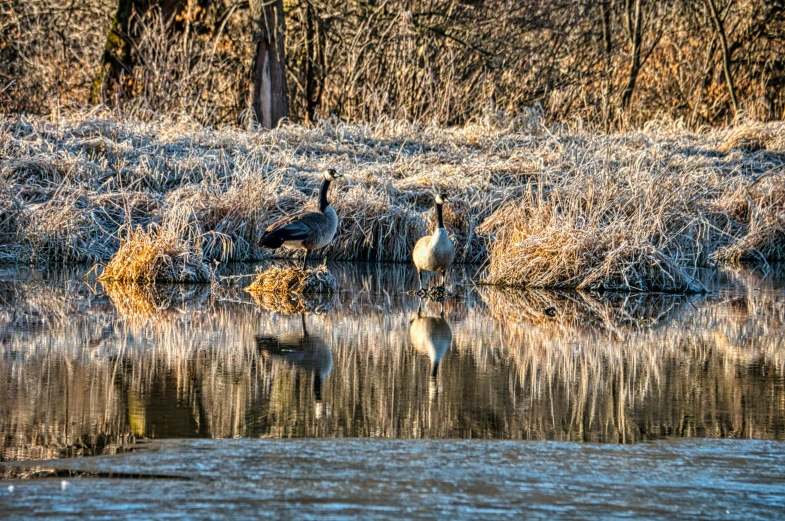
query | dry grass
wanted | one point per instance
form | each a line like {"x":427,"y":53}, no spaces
{"x":165,"y":253}
{"x":611,"y":241}
{"x":294,"y":281}
{"x":545,"y":207}
{"x":761,"y":206}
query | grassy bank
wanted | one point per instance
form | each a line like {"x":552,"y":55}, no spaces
{"x":545,"y":207}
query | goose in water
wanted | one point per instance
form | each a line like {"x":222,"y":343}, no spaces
{"x":305,"y":230}
{"x":431,"y":336}
{"x":434,"y":252}
{"x":307,"y":353}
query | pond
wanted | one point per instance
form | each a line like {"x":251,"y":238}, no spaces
{"x":631,"y":405}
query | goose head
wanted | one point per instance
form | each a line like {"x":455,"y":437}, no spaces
{"x":331,"y":174}
{"x":440,"y":198}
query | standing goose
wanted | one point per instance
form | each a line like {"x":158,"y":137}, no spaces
{"x":434,"y":252}
{"x":307,"y":353}
{"x":305,"y":230}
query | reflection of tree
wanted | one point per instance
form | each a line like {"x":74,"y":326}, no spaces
{"x":77,"y":378}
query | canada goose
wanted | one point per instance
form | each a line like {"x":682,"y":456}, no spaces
{"x":434,"y":252}
{"x":305,"y":352}
{"x":305,"y":230}
{"x":431,"y":336}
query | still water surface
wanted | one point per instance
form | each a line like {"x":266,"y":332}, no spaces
{"x":86,"y":370}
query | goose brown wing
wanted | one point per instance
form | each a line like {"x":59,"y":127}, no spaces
{"x":295,"y":227}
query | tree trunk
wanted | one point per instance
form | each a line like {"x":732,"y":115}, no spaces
{"x":117,"y":52}
{"x":118,"y":56}
{"x":605,"y":10}
{"x":719,"y":24}
{"x":633,"y":16}
{"x":311,"y":45}
{"x":268,"y":77}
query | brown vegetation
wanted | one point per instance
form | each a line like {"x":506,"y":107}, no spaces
{"x":165,"y":253}
{"x":287,"y":281}
{"x":615,"y":64}
{"x":546,"y":207}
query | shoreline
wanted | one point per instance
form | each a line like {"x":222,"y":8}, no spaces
{"x":551,"y":208}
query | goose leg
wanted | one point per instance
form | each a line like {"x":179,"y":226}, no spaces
{"x":305,"y":259}
{"x":444,"y":279}
{"x":419,"y":275}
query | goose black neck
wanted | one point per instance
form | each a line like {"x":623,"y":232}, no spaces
{"x":439,"y":218}
{"x":323,"y":204}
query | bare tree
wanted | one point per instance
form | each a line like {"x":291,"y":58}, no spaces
{"x":718,"y":17}
{"x":268,"y":77}
{"x":118,"y":57}
{"x":638,"y":15}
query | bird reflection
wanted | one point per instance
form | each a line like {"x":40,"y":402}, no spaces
{"x":431,"y":336}
{"x":306,"y":352}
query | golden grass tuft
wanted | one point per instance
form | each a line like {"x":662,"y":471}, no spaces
{"x":563,"y":241}
{"x":170,"y":252}
{"x":294,"y":281}
{"x":760,"y":210}
{"x":754,"y":136}
{"x":374,"y":226}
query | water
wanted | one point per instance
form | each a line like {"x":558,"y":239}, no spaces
{"x":128,"y":375}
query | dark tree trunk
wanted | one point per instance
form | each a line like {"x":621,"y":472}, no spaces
{"x":605,"y":9}
{"x":118,"y":56}
{"x":719,"y":25}
{"x":633,"y":17}
{"x":311,"y":45}
{"x":268,"y":77}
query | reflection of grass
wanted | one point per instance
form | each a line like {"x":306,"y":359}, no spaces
{"x":141,"y":302}
{"x":294,"y":290}
{"x":613,"y":312}
{"x":644,"y":352}
{"x":621,"y":369}
{"x":295,"y":304}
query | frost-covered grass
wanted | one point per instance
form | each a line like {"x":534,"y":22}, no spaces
{"x":545,"y":207}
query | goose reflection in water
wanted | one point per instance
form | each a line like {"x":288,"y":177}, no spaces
{"x":431,"y":336}
{"x":305,"y":352}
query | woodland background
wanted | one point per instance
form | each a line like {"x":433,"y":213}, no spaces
{"x":611,"y":64}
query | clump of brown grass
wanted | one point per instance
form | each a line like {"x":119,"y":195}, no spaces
{"x":604,"y":238}
{"x":374,"y":226}
{"x":753,"y":136}
{"x":170,"y":252}
{"x":9,"y":217}
{"x":760,"y":211}
{"x":294,"y":281}
{"x":59,"y":230}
